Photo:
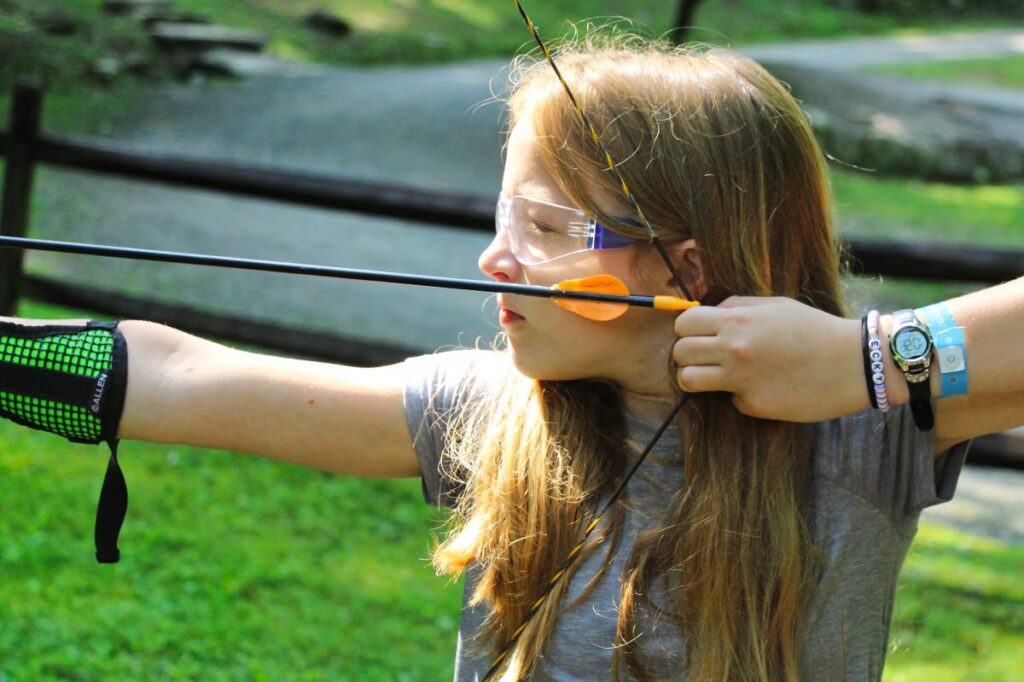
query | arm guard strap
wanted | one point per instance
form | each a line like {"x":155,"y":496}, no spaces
{"x":71,"y":380}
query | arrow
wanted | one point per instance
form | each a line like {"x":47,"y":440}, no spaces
{"x":600,"y":297}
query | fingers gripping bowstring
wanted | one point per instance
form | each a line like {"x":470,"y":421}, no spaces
{"x":564,"y":570}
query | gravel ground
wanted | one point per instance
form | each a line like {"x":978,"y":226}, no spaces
{"x":989,"y":501}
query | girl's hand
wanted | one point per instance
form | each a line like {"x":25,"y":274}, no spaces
{"x":780,"y":359}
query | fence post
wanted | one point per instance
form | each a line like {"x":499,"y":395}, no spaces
{"x":26,"y":108}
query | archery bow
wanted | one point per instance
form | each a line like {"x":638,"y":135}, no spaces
{"x":564,"y":570}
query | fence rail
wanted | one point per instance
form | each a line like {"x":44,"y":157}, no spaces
{"x":319,"y":191}
{"x":23,"y":146}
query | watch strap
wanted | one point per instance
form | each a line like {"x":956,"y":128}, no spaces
{"x":921,"y":405}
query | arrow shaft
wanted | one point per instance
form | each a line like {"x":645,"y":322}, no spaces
{"x":132,"y":253}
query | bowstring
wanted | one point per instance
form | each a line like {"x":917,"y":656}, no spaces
{"x":676,"y":276}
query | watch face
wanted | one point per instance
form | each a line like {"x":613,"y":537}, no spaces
{"x":911,"y":343}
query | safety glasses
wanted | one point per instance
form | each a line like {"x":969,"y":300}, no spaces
{"x":540,"y":232}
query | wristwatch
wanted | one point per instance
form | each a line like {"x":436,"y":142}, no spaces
{"x":910,"y":342}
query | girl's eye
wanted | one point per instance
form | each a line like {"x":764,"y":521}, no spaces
{"x":539,"y":228}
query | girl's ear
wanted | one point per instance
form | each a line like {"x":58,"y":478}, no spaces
{"x":686,"y":256}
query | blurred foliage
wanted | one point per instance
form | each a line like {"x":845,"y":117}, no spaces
{"x":63,"y":43}
{"x":65,"y":39}
{"x":94,"y":63}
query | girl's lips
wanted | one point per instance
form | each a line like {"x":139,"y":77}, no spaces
{"x":507,"y":317}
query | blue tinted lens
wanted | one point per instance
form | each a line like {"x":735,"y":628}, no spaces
{"x":606,"y":239}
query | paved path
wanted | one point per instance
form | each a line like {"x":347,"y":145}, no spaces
{"x":857,"y":53}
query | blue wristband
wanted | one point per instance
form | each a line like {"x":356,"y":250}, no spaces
{"x":949,"y":348}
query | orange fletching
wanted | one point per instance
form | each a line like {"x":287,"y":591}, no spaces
{"x":594,"y":310}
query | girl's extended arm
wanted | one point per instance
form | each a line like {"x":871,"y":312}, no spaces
{"x":785,"y":360}
{"x":184,"y":389}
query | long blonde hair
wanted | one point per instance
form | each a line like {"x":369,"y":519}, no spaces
{"x":717,"y":150}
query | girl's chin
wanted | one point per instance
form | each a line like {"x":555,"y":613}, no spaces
{"x":534,"y":365}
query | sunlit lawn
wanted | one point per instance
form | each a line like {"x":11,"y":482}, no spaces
{"x":232,"y":569}
{"x":907,"y":209}
{"x":959,"y":610}
{"x":236,"y":568}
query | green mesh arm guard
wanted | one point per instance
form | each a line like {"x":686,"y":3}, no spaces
{"x":63,"y":379}
{"x":71,"y":380}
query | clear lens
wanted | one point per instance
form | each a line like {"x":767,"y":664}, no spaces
{"x":539,"y":232}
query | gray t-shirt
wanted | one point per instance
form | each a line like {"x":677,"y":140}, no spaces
{"x":873,"y":474}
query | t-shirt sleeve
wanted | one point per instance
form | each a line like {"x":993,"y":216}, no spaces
{"x":437,"y":388}
{"x":886,"y":459}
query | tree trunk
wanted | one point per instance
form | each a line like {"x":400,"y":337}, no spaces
{"x":684,"y":20}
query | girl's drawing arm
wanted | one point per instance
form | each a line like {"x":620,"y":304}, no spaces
{"x":785,"y":360}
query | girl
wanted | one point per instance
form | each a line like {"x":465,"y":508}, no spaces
{"x":763,"y":536}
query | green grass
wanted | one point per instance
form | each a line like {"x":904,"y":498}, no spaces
{"x":959,"y":610}
{"x":907,"y":208}
{"x":244,"y":569}
{"x":233,"y":569}
{"x":1005,"y":72}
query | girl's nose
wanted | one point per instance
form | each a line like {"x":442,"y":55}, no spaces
{"x":497,"y":261}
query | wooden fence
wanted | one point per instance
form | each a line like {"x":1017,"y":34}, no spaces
{"x":24,"y":146}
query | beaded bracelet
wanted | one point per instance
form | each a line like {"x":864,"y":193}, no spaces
{"x":878,"y":368}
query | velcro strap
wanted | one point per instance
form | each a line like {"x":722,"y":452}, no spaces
{"x":50,"y":384}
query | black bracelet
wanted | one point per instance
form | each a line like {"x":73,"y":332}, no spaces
{"x":867,"y":361}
